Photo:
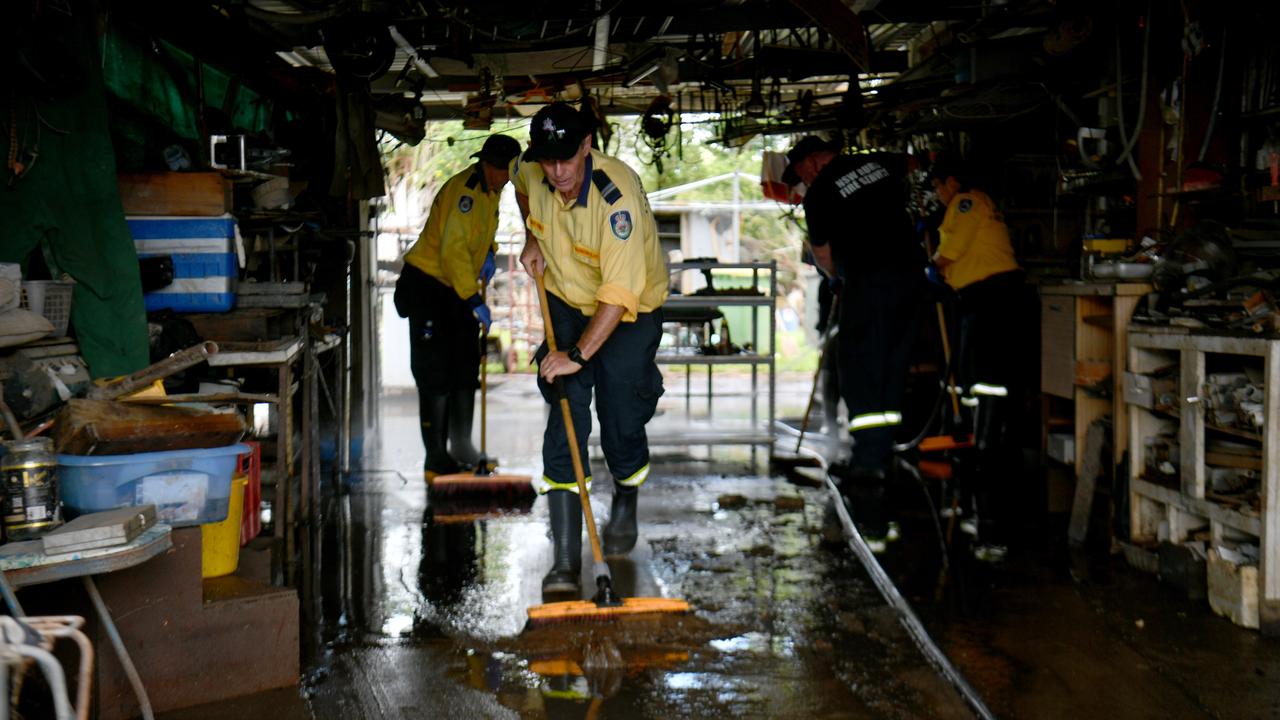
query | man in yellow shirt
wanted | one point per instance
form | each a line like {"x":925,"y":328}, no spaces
{"x":440,"y":290}
{"x":591,"y":230}
{"x":976,"y":259}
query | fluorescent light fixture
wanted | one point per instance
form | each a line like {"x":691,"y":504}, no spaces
{"x":600,"y":52}
{"x":293,"y":58}
{"x":645,"y":64}
{"x":423,"y":66}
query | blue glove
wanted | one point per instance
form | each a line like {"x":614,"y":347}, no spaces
{"x":934,"y":277}
{"x":480,"y":311}
{"x":488,"y":269}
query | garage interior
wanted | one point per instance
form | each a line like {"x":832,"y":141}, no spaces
{"x":1132,"y":150}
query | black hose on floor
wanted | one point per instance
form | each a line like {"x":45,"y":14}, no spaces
{"x":906,"y":615}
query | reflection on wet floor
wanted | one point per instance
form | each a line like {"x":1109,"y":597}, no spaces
{"x":432,"y":619}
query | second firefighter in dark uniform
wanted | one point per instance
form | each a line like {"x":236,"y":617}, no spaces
{"x":861,"y":232}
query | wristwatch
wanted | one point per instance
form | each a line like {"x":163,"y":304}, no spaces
{"x":576,"y":355}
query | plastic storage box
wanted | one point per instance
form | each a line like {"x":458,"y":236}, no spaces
{"x":188,"y":487}
{"x":204,"y":260}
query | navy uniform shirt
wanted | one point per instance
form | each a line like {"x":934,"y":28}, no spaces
{"x":858,"y":206}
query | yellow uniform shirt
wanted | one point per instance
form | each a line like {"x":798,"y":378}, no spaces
{"x":975,"y":240}
{"x":459,"y":232}
{"x":601,"y":247}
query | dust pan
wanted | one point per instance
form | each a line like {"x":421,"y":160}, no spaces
{"x":606,"y":605}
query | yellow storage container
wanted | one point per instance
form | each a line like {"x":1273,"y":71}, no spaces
{"x":220,"y":541}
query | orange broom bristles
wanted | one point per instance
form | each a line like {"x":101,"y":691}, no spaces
{"x":586,"y":610}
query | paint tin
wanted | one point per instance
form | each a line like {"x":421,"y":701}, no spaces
{"x":30,"y":471}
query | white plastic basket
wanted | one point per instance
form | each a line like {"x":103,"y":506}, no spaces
{"x":52,"y":299}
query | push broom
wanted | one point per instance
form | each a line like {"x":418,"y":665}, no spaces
{"x":607,"y":604}
{"x":483,"y":489}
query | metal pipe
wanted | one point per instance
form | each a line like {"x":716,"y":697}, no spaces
{"x":144,"y":704}
{"x":175,"y":363}
{"x":52,"y":675}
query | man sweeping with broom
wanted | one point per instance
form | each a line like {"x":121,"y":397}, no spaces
{"x":590,"y":230}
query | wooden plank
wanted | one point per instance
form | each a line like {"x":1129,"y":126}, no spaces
{"x":1086,"y":481}
{"x":1233,"y":460}
{"x":108,"y":427}
{"x":202,"y":194}
{"x":1269,"y":577}
{"x":1191,"y":437}
{"x":1199,"y":507}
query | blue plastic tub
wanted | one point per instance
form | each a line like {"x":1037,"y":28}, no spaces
{"x":188,"y":487}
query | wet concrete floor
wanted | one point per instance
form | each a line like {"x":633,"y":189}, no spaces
{"x":784,"y":621}
{"x":423,"y":615}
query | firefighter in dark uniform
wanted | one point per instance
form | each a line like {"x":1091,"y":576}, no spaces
{"x":860,"y":232}
{"x":440,"y":290}
{"x":976,"y":259}
{"x":590,"y":228}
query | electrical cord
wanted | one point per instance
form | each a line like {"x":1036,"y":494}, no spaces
{"x":1129,"y":142}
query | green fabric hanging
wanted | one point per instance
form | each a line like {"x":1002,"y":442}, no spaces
{"x":68,"y":203}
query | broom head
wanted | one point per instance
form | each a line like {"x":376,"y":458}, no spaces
{"x":943,"y":443}
{"x":479,"y":496}
{"x":588,"y":611}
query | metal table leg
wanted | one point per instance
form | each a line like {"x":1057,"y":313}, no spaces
{"x":144,"y":703}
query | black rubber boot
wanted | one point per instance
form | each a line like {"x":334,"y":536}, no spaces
{"x":620,"y":533}
{"x":462,"y":407}
{"x":433,"y":414}
{"x":566,"y":532}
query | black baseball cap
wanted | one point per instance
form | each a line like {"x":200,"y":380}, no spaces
{"x":556,"y":133}
{"x":498,"y":150}
{"x":807,"y":146}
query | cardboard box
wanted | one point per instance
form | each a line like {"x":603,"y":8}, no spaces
{"x":1062,"y":447}
{"x":1233,"y":587}
{"x":199,"y":194}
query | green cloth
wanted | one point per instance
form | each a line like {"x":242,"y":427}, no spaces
{"x":68,"y":204}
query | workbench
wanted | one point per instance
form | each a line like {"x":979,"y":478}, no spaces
{"x":1084,"y":330}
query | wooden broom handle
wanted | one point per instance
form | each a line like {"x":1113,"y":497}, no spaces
{"x":578,"y":474}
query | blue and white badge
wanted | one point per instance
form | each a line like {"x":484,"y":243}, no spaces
{"x":620,"y":223}
{"x":464,"y":203}
{"x":965,"y":205}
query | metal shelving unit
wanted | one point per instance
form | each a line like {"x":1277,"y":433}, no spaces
{"x":709,"y":432}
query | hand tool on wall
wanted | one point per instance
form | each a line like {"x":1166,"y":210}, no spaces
{"x":606,"y":604}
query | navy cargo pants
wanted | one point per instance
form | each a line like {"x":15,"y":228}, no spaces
{"x":627,"y":384}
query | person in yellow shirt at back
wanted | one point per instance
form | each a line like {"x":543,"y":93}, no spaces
{"x":440,"y":291}
{"x":976,"y":259}
{"x":591,"y":229}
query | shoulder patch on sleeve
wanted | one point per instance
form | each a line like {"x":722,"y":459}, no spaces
{"x":464,"y":203}
{"x":620,"y":223}
{"x":965,"y":205}
{"x":607,"y":189}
